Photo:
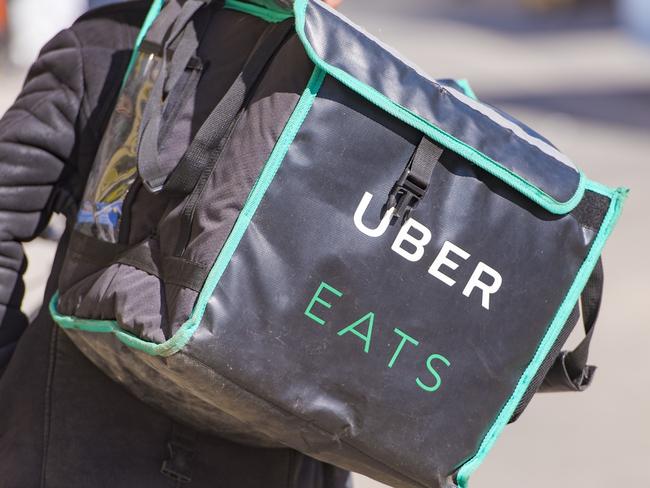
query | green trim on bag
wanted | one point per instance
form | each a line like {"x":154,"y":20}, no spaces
{"x":267,"y":13}
{"x":186,"y":331}
{"x":156,"y":6}
{"x":468,"y":152}
{"x":617,"y":197}
{"x":464,"y":84}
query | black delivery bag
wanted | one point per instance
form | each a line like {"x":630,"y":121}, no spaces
{"x":344,"y":256}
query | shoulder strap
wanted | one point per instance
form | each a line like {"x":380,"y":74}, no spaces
{"x":570,"y":371}
{"x":182,"y":178}
{"x":179,"y":30}
{"x":206,"y":144}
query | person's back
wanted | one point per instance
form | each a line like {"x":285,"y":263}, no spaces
{"x":62,"y":421}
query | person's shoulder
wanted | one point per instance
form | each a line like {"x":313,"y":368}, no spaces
{"x":119,"y":11}
{"x":106,"y":25}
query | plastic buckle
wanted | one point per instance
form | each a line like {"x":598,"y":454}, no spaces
{"x":177,"y":467}
{"x":405,"y":196}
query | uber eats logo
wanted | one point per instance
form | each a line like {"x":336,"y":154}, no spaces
{"x":410,"y":243}
{"x":362,"y":330}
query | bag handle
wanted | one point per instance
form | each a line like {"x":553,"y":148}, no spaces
{"x":210,"y":139}
{"x":182,"y":29}
{"x":182,"y":177}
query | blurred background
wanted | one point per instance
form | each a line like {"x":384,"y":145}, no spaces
{"x":578,"y":71}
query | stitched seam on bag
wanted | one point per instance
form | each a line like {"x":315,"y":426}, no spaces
{"x":466,"y":468}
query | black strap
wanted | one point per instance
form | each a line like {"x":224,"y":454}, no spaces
{"x":180,"y":451}
{"x":423,"y":161}
{"x":570,"y":371}
{"x":414,"y":181}
{"x":182,"y":29}
{"x":206,"y":144}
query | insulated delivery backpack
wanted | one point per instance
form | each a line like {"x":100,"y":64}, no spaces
{"x":292,"y":237}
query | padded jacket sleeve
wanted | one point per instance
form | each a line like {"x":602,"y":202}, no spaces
{"x":37,"y":139}
{"x":48,"y":139}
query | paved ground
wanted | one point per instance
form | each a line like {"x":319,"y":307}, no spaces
{"x":586,"y":86}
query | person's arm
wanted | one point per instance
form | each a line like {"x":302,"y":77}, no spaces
{"x":37,"y":138}
{"x":49,"y":137}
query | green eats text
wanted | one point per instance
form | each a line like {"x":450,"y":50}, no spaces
{"x":361,"y":330}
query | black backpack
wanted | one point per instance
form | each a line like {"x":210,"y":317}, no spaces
{"x":292,"y":237}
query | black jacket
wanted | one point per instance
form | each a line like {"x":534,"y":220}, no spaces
{"x":63,"y":423}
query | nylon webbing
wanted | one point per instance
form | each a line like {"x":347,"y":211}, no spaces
{"x":414,"y":181}
{"x":205,"y":146}
{"x":570,"y":371}
{"x":424,"y":160}
{"x":153,"y":174}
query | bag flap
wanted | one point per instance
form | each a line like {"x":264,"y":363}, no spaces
{"x":485,"y":136}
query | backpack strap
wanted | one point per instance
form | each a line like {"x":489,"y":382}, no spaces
{"x":210,"y":139}
{"x":180,"y":454}
{"x":183,"y":177}
{"x":180,"y":31}
{"x":570,"y":371}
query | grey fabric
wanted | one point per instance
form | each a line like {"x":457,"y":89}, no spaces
{"x":145,"y":304}
{"x":170,"y":91}
{"x":449,"y":83}
{"x":255,"y":135}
